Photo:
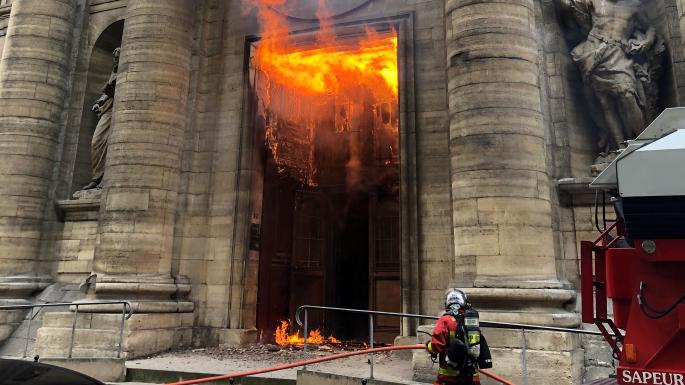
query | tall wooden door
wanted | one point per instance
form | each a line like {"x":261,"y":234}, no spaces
{"x":310,"y":254}
{"x":275,"y":249}
{"x":384,"y":264}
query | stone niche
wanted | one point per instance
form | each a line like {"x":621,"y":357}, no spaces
{"x":99,"y":70}
{"x":75,"y":246}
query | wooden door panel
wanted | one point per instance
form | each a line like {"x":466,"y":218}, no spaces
{"x":384,"y":265}
{"x":387,"y":292}
{"x":308,"y":290}
{"x":309,"y":255}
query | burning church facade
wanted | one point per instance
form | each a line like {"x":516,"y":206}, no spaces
{"x":246,"y":158}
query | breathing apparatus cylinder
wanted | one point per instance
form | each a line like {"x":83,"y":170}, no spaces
{"x":467,"y":350}
{"x":472,"y":332}
{"x":470,"y":350}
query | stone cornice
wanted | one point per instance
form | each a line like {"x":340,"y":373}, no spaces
{"x":576,"y":190}
{"x":78,"y":209}
{"x":97,"y":6}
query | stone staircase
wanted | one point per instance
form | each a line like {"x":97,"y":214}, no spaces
{"x":304,"y":377}
{"x":95,"y":335}
{"x":16,"y":324}
{"x":19,"y":343}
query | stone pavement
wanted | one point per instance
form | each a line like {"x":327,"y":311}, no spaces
{"x":220,"y":361}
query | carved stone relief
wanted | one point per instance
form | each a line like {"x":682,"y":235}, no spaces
{"x":619,"y":55}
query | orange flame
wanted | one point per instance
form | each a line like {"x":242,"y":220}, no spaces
{"x":331,"y":63}
{"x":334,"y":340}
{"x":328,"y":70}
{"x":303,"y":82}
{"x":283,"y":338}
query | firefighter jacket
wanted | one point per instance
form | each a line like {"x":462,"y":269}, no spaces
{"x":445,"y":331}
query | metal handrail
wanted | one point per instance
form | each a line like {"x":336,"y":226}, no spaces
{"x":126,"y":313}
{"x":489,"y":324}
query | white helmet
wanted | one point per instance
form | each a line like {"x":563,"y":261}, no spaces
{"x":455,"y":297}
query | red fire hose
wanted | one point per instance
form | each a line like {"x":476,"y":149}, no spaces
{"x":318,"y":360}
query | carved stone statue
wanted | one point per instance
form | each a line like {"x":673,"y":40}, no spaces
{"x":619,"y":56}
{"x":103,"y":107}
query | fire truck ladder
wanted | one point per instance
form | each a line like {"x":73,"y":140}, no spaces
{"x":594,"y":308}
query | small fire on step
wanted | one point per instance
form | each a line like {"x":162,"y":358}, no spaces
{"x":283,"y":337}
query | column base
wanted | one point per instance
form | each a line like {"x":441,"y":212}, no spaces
{"x":550,"y":357}
{"x":16,"y":290}
{"x":146,"y":293}
{"x":532,"y":306}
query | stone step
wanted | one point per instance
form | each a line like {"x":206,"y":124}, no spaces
{"x":129,"y":383}
{"x":153,"y":376}
{"x":306,"y":377}
{"x":55,"y":342}
{"x":15,"y":345}
{"x":89,"y":338}
{"x":83,"y":320}
{"x":59,"y":352}
{"x":102,"y":369}
{"x":14,"y":325}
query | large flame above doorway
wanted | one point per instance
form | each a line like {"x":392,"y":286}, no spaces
{"x":308,"y":81}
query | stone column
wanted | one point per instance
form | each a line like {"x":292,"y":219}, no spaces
{"x":503,"y":237}
{"x":679,"y":69}
{"x":33,"y":87}
{"x":135,"y":235}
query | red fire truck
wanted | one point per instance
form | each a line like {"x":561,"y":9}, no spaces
{"x":639,"y":261}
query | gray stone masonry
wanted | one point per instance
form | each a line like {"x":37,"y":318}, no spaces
{"x":33,"y":77}
{"x":139,"y":202}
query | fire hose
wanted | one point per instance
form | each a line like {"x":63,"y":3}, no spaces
{"x":332,"y":357}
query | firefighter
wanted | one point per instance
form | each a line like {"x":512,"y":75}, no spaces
{"x":446,"y":336}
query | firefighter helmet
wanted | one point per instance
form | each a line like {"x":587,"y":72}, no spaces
{"x":455,"y":297}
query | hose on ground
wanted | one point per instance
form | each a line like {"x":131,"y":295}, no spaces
{"x":319,"y":360}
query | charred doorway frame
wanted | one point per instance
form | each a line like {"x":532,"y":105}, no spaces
{"x":248,"y":211}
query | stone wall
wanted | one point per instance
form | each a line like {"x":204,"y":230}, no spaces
{"x":665,"y":16}
{"x":489,"y":134}
{"x":64,"y":239}
{"x":75,"y":248}
{"x":201,"y":247}
{"x":211,"y":230}
{"x":4,"y":20}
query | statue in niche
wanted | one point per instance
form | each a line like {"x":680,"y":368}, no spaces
{"x":620,"y":57}
{"x":103,"y":107}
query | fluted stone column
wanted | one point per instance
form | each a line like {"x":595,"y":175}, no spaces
{"x":502,"y":212}
{"x":135,"y":234}
{"x":33,"y":88}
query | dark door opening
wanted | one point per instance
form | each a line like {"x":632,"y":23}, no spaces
{"x":330,"y":204}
